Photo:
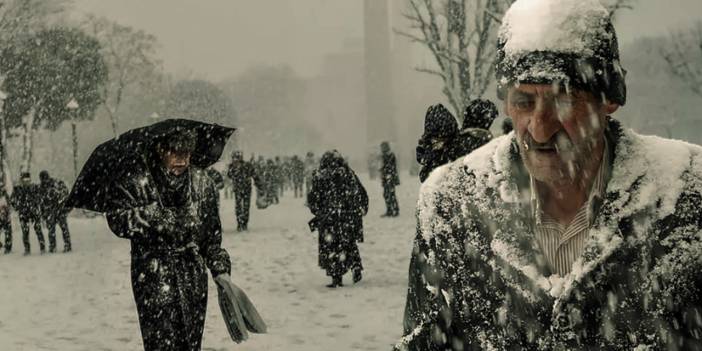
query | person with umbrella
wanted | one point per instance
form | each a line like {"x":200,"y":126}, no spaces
{"x":164,"y":202}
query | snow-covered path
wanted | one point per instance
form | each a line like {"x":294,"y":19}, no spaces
{"x":83,"y":300}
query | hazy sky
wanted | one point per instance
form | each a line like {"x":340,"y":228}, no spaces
{"x":216,"y":39}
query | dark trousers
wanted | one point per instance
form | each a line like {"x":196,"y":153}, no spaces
{"x":24,"y":224}
{"x":297,"y":187}
{"x":393,"y":208}
{"x":62,"y":221}
{"x":308,"y":186}
{"x":242,"y":200}
{"x":6,"y":226}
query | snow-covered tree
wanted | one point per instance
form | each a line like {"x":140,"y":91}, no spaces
{"x":44,"y":72}
{"x":130,"y":58}
{"x":461,"y":36}
{"x":18,"y":19}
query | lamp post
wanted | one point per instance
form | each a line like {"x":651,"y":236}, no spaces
{"x":72,"y":106}
{"x":3,"y":137}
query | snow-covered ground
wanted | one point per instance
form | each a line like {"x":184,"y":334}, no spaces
{"x":83,"y":300}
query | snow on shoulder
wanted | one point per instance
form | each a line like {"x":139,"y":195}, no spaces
{"x":450,"y":184}
{"x":563,"y":26}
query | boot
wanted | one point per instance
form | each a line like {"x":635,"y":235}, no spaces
{"x":336,"y":282}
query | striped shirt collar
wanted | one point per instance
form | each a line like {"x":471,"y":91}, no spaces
{"x":595,"y":196}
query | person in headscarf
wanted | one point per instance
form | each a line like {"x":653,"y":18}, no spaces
{"x":338,"y":202}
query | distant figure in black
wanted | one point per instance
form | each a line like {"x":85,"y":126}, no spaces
{"x":475,"y":132}
{"x":171,"y":217}
{"x":297,"y":175}
{"x":442,"y":142}
{"x":53,"y":194}
{"x":271,"y":179}
{"x":26,"y":200}
{"x":242,"y":174}
{"x":280,"y":175}
{"x":5,"y":219}
{"x":310,"y":166}
{"x":435,"y":145}
{"x":390,"y":179}
{"x":338,"y":202}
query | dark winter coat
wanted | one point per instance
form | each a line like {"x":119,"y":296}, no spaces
{"x":242,"y":173}
{"x":53,"y":194}
{"x":26,"y":200}
{"x":338,"y":201}
{"x":298,"y":170}
{"x":175,"y":235}
{"x":476,"y":282}
{"x":388,"y":171}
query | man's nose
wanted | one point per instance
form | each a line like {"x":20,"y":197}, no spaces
{"x":544,"y":122}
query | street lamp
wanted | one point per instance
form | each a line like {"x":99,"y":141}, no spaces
{"x":3,"y":137}
{"x":72,"y":106}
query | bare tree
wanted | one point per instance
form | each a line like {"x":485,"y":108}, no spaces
{"x":461,"y":35}
{"x":684,"y":56}
{"x":130,"y":56}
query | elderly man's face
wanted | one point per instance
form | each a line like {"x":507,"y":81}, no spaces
{"x":557,"y":130}
{"x":176,"y":162}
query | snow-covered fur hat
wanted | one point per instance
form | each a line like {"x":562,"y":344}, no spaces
{"x":569,"y":42}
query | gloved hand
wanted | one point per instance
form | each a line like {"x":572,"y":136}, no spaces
{"x":160,"y":218}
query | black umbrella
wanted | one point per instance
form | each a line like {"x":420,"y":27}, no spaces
{"x":127,"y":152}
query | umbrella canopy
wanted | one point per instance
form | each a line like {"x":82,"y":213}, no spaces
{"x":128,"y":152}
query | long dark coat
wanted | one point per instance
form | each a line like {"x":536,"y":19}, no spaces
{"x":388,"y":171}
{"x":242,"y":173}
{"x":53,"y":194}
{"x":338,"y":201}
{"x":477,"y":281}
{"x":26,"y":200}
{"x":169,"y":277}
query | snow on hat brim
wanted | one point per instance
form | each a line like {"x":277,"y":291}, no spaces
{"x":569,"y":42}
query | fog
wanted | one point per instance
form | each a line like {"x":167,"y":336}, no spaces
{"x":318,"y":45}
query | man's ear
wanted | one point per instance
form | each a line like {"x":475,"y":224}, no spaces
{"x":610,"y":107}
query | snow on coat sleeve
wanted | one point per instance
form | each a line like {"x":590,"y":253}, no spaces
{"x":137,"y":211}
{"x":427,"y":316}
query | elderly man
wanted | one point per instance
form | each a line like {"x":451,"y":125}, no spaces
{"x":572,"y":233}
{"x":171,"y":216}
